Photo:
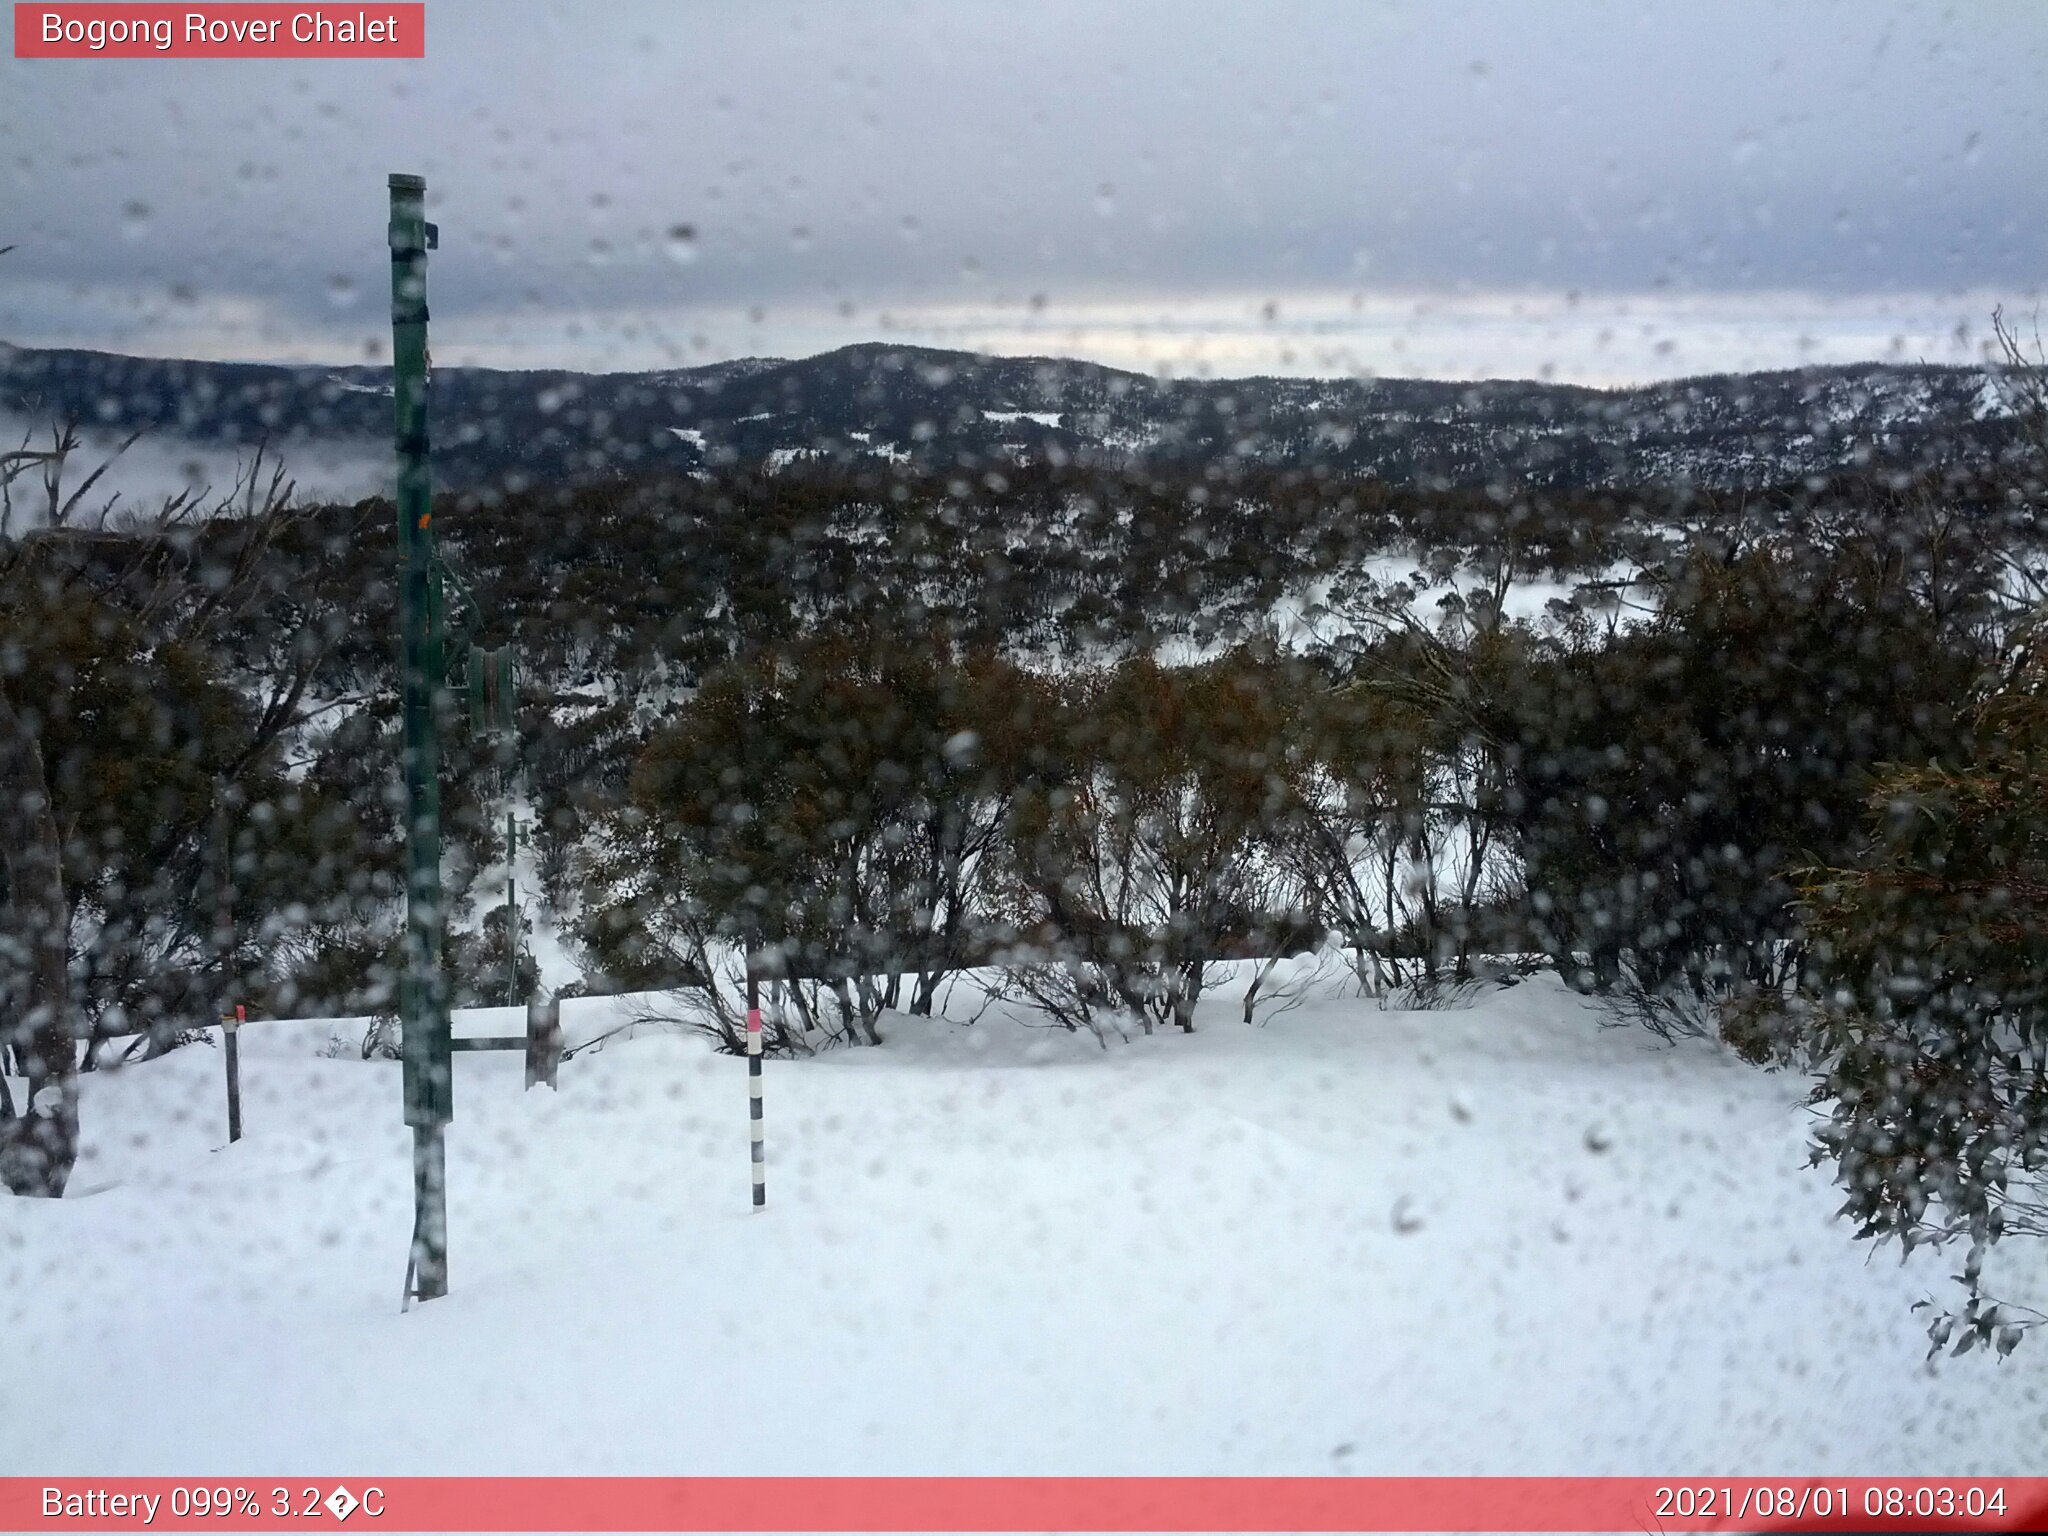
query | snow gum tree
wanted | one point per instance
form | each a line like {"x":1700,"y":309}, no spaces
{"x":830,"y":806}
{"x":1352,"y":832}
{"x":1153,"y":850}
{"x":39,"y":1139}
{"x":150,"y":677}
{"x":1664,"y":784}
{"x":1932,"y":957}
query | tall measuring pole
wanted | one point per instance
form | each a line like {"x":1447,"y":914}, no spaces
{"x":423,"y":996}
{"x":757,"y":1149}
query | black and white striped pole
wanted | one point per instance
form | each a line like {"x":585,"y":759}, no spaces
{"x":758,"y":1148}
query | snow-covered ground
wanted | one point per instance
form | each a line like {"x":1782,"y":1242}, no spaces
{"x":1505,"y":1239}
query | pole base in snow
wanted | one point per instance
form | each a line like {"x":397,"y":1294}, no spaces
{"x":428,"y":1271}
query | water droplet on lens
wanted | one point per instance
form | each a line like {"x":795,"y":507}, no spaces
{"x":680,"y":244}
{"x":1406,"y":1218}
{"x":135,"y":217}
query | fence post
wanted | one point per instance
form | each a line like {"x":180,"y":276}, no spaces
{"x":224,"y":950}
{"x":543,"y":1039}
{"x":230,"y":1024}
{"x":758,"y":1150}
{"x":511,"y":909}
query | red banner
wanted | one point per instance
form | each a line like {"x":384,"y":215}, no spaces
{"x":214,"y":31}
{"x":1631,"y":1504}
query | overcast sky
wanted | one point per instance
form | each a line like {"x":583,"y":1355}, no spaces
{"x":1601,"y":192}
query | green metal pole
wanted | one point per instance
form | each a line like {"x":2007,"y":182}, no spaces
{"x":423,"y":992}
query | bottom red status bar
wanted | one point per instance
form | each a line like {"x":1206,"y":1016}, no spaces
{"x":1632,"y":1504}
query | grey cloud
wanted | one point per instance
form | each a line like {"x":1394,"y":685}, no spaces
{"x":947,"y":154}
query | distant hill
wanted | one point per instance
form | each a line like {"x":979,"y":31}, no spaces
{"x":933,"y":409}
